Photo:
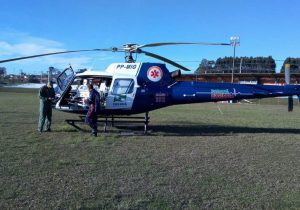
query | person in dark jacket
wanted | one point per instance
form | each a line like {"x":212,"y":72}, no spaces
{"x":46,"y":95}
{"x":94,"y":109}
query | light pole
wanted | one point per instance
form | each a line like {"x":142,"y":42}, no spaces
{"x":50,"y":72}
{"x":234,"y":41}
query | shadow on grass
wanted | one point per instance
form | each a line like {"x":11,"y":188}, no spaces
{"x":182,"y":130}
{"x":215,"y":130}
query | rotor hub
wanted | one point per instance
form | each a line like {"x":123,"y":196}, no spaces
{"x":130,"y":47}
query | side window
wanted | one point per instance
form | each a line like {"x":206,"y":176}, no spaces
{"x":123,"y":86}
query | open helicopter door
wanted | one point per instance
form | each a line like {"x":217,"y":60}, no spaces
{"x":63,"y":80}
{"x":122,"y":94}
{"x":63,"y":83}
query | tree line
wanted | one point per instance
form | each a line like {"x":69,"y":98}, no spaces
{"x":245,"y":65}
{"x":294,"y":65}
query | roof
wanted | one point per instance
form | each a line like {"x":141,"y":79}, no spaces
{"x":95,"y":73}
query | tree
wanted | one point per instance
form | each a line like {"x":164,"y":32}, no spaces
{"x":205,"y":66}
{"x":294,"y":65}
{"x":2,"y":72}
{"x":248,"y":65}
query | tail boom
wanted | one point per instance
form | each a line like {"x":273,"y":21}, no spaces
{"x":197,"y":92}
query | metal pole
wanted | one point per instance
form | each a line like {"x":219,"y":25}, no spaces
{"x":241,"y":65}
{"x":234,"y":44}
{"x":49,"y":74}
{"x":287,"y":74}
{"x":234,"y":41}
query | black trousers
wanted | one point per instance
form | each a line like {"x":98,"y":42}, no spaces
{"x":91,"y":120}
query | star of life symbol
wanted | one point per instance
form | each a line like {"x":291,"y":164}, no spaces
{"x":154,"y":73}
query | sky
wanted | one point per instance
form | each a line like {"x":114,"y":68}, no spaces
{"x":265,"y":28}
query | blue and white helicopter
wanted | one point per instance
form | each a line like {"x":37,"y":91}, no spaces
{"x":132,"y":87}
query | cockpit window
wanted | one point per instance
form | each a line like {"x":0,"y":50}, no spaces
{"x":123,"y":86}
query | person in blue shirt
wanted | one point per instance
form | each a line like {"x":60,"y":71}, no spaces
{"x":94,"y":109}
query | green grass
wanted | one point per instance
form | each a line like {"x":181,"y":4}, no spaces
{"x":245,"y":156}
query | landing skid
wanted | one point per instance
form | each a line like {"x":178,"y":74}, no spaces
{"x":114,"y":121}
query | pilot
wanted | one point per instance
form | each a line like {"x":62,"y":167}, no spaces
{"x":94,"y":109}
{"x":46,"y":95}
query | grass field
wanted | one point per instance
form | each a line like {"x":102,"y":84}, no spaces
{"x":196,"y":157}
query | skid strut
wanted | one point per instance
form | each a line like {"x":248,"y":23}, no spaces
{"x":113,"y":121}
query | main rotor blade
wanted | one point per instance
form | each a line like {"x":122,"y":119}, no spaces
{"x":178,"y":43}
{"x":164,"y":59}
{"x":54,"y":53}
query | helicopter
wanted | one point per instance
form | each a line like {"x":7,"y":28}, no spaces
{"x":133,"y":87}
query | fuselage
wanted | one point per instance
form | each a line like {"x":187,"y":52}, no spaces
{"x":131,"y":88}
